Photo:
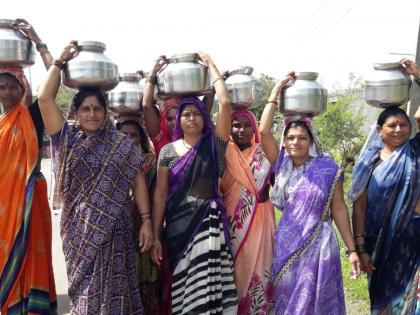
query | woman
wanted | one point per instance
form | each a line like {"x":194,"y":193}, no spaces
{"x":308,"y":190}
{"x":149,"y":284}
{"x":97,"y":168}
{"x":187,"y":196}
{"x":387,"y":229}
{"x":26,"y":273}
{"x":245,"y":185}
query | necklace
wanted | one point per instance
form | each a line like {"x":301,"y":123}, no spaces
{"x":186,"y":145}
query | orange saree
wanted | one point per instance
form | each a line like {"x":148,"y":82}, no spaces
{"x":26,"y":275}
{"x":251,"y":226}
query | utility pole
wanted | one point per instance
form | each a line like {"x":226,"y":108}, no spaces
{"x":415,"y":90}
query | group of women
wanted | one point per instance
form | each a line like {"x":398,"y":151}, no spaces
{"x":202,"y":208}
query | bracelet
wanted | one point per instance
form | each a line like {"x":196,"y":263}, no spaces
{"x":361,"y":249}
{"x":349,"y":251}
{"x":152,"y":79}
{"x":274,"y":102}
{"x":40,"y":46}
{"x":214,"y":81}
{"x":58,"y":63}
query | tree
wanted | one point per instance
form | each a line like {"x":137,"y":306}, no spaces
{"x":267,"y":84}
{"x":340,"y":126}
{"x":64,"y":98}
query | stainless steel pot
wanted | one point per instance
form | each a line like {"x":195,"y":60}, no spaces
{"x":184,"y":75}
{"x":127,"y":95}
{"x":244,"y":89}
{"x":15,"y":48}
{"x":305,"y":96}
{"x":90,"y":68}
{"x":387,"y":86}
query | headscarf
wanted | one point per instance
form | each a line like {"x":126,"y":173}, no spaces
{"x":251,"y":117}
{"x":17,"y":73}
{"x":191,"y":100}
{"x":284,"y":165}
{"x":169,"y":104}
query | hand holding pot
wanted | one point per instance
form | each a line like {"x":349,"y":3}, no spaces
{"x":280,"y":85}
{"x":158,"y":65}
{"x":27,"y":29}
{"x":205,"y":59}
{"x":410,"y":67}
{"x":69,"y":52}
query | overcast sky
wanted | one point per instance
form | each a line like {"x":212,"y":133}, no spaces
{"x":332,"y":37}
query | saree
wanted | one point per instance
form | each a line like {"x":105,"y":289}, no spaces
{"x":195,"y":234}
{"x":26,"y":274}
{"x":306,"y":269}
{"x":99,"y":224}
{"x":392,"y":227}
{"x":251,"y":224}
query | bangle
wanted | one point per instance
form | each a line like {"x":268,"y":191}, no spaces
{"x":349,"y":251}
{"x":152,"y":79}
{"x":40,"y":46}
{"x":361,"y":249}
{"x":214,"y":81}
{"x":58,"y":63}
{"x":274,"y":102}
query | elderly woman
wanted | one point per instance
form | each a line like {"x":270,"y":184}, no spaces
{"x":26,"y":274}
{"x":187,"y":196}
{"x":386,"y":215}
{"x":245,"y":185}
{"x":97,"y":168}
{"x":308,"y":189}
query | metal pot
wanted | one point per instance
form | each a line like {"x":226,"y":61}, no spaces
{"x":90,"y":68}
{"x":15,"y":48}
{"x":244,"y":89}
{"x":184,"y":75}
{"x":387,"y":86}
{"x":127,"y":95}
{"x":304,"y":96}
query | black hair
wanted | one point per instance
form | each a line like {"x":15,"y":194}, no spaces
{"x":390,"y":112}
{"x":80,"y":96}
{"x":144,"y":140}
{"x":298,"y":123}
{"x":11,"y":76}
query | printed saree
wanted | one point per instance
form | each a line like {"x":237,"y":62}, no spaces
{"x":196,"y":236}
{"x":26,"y":274}
{"x":392,"y":226}
{"x":99,"y":225}
{"x":251,"y":226}
{"x":306,"y":269}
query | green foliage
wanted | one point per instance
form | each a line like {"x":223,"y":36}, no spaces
{"x":64,"y":98}
{"x":267,"y":84}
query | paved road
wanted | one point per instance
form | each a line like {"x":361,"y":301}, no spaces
{"x":57,"y":252}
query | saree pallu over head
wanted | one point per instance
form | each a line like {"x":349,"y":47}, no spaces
{"x":251,"y":221}
{"x":195,"y":232}
{"x":99,"y":223}
{"x":27,"y":283}
{"x":392,"y":227}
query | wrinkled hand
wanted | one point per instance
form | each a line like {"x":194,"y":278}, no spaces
{"x":70,"y":51}
{"x":410,"y":67}
{"x":156,"y":253}
{"x":27,"y":29}
{"x":205,"y":58}
{"x":145,"y":236}
{"x":355,"y":265}
{"x":366,"y":263}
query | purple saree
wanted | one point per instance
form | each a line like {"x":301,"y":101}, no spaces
{"x":99,"y":225}
{"x":306,"y":269}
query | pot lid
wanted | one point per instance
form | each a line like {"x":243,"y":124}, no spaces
{"x":241,"y":70}
{"x":184,"y":57}
{"x":91,"y":45}
{"x":386,"y":65}
{"x":129,"y":77}
{"x":7,"y":22}
{"x":306,"y":75}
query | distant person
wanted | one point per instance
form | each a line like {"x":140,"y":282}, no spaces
{"x":98,"y":170}
{"x":26,"y":272}
{"x":386,"y":216}
{"x":308,"y":189}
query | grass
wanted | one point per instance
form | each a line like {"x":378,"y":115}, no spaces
{"x":355,"y":291}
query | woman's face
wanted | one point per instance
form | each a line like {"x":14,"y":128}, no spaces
{"x":395,"y":131}
{"x":191,"y":120}
{"x":132,"y":132}
{"x":10,"y":92}
{"x":297,"y":142}
{"x":90,"y":115}
{"x":242,"y":131}
{"x":170,"y":119}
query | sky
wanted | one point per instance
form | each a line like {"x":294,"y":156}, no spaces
{"x":331,"y":37}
